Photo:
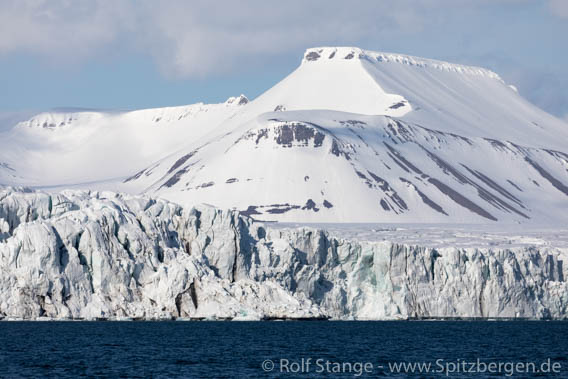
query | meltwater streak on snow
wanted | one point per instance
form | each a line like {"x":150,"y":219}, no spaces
{"x":102,"y":255}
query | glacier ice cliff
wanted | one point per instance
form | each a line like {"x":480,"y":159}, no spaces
{"x":103,"y":255}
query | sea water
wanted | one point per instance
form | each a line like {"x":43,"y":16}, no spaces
{"x":288,"y":349}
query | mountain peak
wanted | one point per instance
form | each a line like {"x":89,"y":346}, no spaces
{"x":329,"y":53}
{"x":345,"y":53}
{"x":237,"y":100}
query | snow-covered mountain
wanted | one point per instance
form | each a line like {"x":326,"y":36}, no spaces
{"x":66,"y":148}
{"x":349,"y":136}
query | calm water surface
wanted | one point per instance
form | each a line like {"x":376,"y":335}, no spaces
{"x":280,"y":349}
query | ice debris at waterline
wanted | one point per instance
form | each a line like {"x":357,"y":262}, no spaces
{"x":103,"y":255}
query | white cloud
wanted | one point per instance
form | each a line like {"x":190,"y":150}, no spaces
{"x":197,"y":38}
{"x":200,"y":37}
{"x":73,"y":29}
{"x":559,"y":8}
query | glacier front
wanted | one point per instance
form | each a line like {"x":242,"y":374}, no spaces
{"x":103,"y":255}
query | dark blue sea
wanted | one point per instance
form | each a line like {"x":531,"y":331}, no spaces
{"x":290,"y":349}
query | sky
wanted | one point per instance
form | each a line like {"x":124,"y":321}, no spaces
{"x":132,"y":54}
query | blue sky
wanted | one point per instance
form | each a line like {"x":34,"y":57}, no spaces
{"x":137,"y":54}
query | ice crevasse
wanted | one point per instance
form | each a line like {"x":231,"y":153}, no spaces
{"x":104,"y":255}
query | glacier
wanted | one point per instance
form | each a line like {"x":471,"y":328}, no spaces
{"x":90,"y":255}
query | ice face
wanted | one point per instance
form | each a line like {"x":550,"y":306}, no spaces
{"x":89,"y":255}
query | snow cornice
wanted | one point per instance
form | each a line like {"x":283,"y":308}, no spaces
{"x":323,"y":54}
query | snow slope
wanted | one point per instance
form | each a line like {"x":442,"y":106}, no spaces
{"x":470,"y":101}
{"x":102,"y":255}
{"x":349,"y":136}
{"x":358,"y":136}
{"x":84,"y":147}
{"x":322,"y":166}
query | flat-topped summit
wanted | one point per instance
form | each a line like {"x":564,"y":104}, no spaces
{"x":354,"y":53}
{"x":349,"y":136}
